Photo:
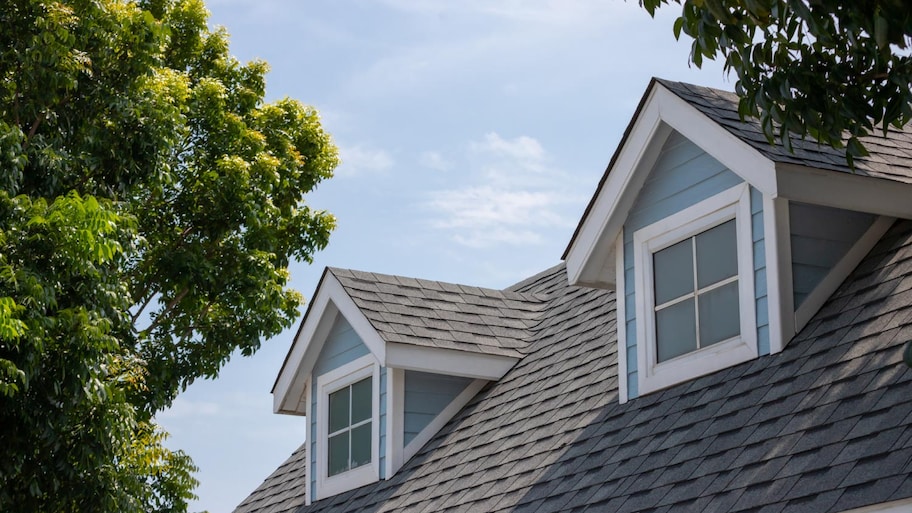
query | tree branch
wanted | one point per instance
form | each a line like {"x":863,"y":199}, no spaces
{"x":168,"y":309}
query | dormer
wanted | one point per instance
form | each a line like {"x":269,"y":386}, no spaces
{"x":720,"y":246}
{"x":380,"y":364}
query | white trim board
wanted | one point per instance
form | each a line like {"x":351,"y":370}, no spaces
{"x":448,"y":361}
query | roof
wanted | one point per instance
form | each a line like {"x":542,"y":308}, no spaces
{"x":445,"y":315}
{"x":890,"y":156}
{"x":282,"y":491}
{"x":825,"y":425}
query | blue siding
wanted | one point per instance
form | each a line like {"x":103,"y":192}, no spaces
{"x":820,"y":237}
{"x":759,"y":253}
{"x":683,"y":175}
{"x":426,"y":395}
{"x":342,"y":346}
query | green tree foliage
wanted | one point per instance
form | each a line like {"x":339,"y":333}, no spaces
{"x":150,"y":202}
{"x":833,"y":70}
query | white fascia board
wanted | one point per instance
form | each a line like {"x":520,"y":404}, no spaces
{"x":845,"y":190}
{"x":448,"y":361}
{"x":590,"y":260}
{"x":329,"y":300}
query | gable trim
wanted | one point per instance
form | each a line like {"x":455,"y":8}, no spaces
{"x":589,"y":254}
{"x":329,"y":301}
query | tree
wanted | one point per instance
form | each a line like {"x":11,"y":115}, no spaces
{"x":150,"y":202}
{"x":829,"y":69}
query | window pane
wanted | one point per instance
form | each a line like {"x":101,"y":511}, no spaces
{"x":673,"y":271}
{"x":361,"y":445}
{"x":338,"y":453}
{"x":338,"y":410}
{"x":720,"y":317}
{"x":717,"y":254}
{"x":676,"y":330}
{"x":361,"y":400}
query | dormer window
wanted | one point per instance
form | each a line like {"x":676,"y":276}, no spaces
{"x":348,"y":404}
{"x":696,"y":292}
{"x":695,"y":270}
{"x":349,"y":427}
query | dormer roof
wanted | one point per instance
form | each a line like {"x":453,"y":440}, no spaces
{"x":881,"y":183}
{"x":443,"y":315}
{"x":411,"y":324}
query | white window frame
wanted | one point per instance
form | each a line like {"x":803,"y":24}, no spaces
{"x":733,"y":203}
{"x":332,"y":381}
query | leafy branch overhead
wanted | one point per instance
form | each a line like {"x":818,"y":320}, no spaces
{"x":150,"y":203}
{"x":831,"y":70}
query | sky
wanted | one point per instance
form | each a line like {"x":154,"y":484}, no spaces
{"x":472,"y":135}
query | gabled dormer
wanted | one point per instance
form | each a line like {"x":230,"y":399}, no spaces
{"x":720,"y":246}
{"x":380,"y":363}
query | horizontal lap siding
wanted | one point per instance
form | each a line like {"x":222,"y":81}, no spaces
{"x":683,"y":175}
{"x":820,"y":237}
{"x":426,"y":395}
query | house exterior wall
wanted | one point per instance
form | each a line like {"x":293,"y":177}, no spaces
{"x":426,"y":395}
{"x":762,"y":302}
{"x":342,"y":346}
{"x":820,"y":237}
{"x":683,"y":175}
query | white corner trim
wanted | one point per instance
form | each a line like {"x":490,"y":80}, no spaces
{"x":395,"y":420}
{"x":442,"y":418}
{"x":733,"y":203}
{"x":308,"y":387}
{"x":845,"y":190}
{"x":448,"y":361}
{"x":620,"y":309}
{"x":366,"y":366}
{"x":329,"y":300}
{"x":777,"y":245}
{"x":900,"y":506}
{"x":822,"y":292}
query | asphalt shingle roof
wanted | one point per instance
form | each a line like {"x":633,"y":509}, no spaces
{"x":890,"y":157}
{"x":825,"y":425}
{"x":282,"y":491}
{"x":446,"y":315}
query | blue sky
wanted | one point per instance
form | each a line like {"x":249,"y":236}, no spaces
{"x":472,"y":134}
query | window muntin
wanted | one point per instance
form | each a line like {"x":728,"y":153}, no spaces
{"x":349,"y":437}
{"x":696,"y":292}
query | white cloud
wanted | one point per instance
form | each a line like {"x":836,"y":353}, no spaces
{"x":434,"y":160}
{"x":511,"y":195}
{"x":359,"y":160}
